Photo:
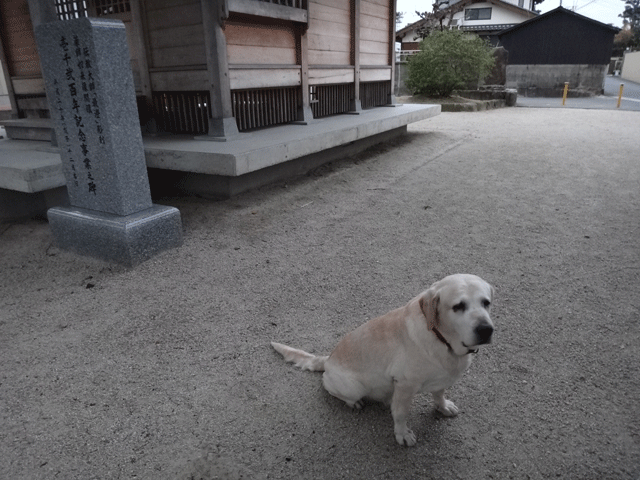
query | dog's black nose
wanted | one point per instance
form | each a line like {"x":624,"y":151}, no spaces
{"x":483,"y":333}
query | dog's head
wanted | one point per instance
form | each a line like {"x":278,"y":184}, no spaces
{"x":458,"y":307}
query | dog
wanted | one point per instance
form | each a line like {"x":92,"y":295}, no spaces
{"x":424,"y":346}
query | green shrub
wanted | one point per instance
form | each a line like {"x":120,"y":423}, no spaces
{"x":449,"y":59}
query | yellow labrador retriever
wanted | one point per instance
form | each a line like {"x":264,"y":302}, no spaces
{"x":421,"y":347}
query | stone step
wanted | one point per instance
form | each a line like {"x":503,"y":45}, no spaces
{"x":29,"y":129}
{"x":5,"y":113}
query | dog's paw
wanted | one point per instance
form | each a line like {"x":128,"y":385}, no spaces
{"x":448,"y":408}
{"x":407,"y":437}
{"x":357,"y":405}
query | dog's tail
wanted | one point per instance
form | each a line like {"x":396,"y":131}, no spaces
{"x":302,"y":359}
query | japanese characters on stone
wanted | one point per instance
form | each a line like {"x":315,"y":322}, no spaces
{"x":83,"y":123}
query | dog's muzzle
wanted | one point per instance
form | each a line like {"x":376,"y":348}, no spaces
{"x":483,"y":332}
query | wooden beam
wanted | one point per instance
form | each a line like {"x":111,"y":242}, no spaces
{"x":42,"y":11}
{"x":392,"y":48}
{"x":4,"y":71}
{"x":356,"y":105}
{"x":140,"y":46}
{"x":140,"y":52}
{"x":305,"y":115}
{"x":271,"y":10}
{"x":222,"y":125}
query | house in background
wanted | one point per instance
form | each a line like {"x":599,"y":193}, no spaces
{"x":483,"y":17}
{"x":227,"y":70}
{"x":557,"y":47}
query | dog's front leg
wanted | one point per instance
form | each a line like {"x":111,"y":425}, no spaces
{"x":444,"y":406}
{"x":400,"y":405}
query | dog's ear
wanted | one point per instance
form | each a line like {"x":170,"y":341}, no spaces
{"x":429,"y":303}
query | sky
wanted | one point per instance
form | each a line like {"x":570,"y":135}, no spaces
{"x":605,"y":11}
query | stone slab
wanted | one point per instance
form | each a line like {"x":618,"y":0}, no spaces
{"x":29,"y":129}
{"x":22,"y":162}
{"x":168,"y":182}
{"x":29,"y":166}
{"x":87,"y":71}
{"x":15,"y":205}
{"x":253,"y":151}
{"x":128,"y":240}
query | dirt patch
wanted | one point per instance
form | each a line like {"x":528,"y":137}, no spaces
{"x":165,"y":371}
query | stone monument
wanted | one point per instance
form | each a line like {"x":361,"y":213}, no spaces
{"x":89,"y":84}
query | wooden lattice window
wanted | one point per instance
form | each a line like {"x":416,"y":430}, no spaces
{"x":70,"y":9}
{"x":328,"y":100}
{"x":374,"y":94}
{"x":265,"y":107}
{"x":288,"y":3}
{"x":109,"y":7}
{"x":182,"y":112}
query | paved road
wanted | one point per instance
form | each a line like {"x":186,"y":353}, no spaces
{"x":608,"y":101}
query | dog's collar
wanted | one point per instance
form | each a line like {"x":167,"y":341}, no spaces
{"x":440,"y":337}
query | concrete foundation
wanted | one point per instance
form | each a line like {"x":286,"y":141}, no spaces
{"x":223,"y":169}
{"x":168,"y":182}
{"x":549,"y":80}
{"x":31,"y":179}
{"x":17,"y":205}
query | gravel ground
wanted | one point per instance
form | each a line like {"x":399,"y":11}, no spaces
{"x":165,"y":371}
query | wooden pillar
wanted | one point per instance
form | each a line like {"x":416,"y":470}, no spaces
{"x":4,"y":71}
{"x":356,"y":105}
{"x":139,"y":51}
{"x":222,"y":124}
{"x":305,"y":115}
{"x":42,"y":11}
{"x":392,"y":50}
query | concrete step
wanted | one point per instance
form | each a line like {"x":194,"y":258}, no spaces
{"x":5,"y":113}
{"x":29,"y":129}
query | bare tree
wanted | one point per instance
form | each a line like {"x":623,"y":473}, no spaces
{"x":440,"y":17}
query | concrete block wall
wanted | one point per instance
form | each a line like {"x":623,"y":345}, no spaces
{"x":548,"y":80}
{"x":631,"y":67}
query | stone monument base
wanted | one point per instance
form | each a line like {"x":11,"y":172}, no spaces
{"x":127,"y":240}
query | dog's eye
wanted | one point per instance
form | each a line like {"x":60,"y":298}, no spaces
{"x":486,"y":303}
{"x":459,"y":307}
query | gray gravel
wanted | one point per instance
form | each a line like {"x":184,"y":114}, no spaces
{"x":165,"y":371}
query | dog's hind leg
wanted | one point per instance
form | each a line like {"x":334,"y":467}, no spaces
{"x":344,"y":386}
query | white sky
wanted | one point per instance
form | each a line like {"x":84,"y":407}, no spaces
{"x":605,"y":11}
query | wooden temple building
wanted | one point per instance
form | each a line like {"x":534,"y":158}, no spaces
{"x":216,"y":69}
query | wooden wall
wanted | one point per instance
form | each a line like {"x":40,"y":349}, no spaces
{"x":374,"y":32}
{"x":169,"y":54}
{"x":559,"y":37}
{"x":175,"y":32}
{"x":260,"y":43}
{"x":329,"y":32}
{"x":261,"y":54}
{"x":18,"y":39}
{"x":176,"y":51}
